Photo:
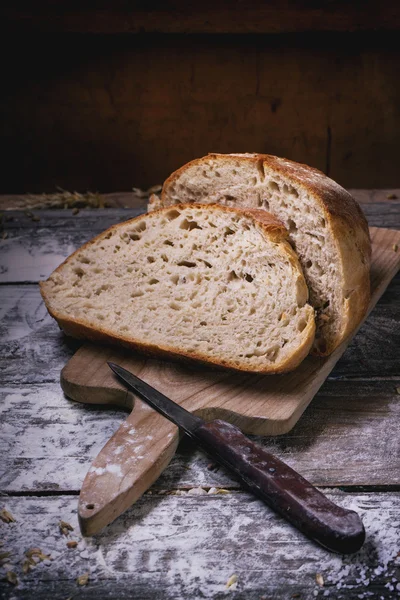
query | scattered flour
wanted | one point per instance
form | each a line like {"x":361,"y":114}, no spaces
{"x":116,"y":469}
{"x":112,"y":468}
{"x":163,"y":537}
{"x":379,"y":555}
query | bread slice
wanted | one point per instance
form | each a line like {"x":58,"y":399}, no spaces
{"x":201,"y":281}
{"x":326,"y":227}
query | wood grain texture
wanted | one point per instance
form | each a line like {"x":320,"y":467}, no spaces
{"x":174,"y":548}
{"x":208,"y":17}
{"x":132,"y":199}
{"x":31,"y":254}
{"x":126,"y":467}
{"x":113,"y":112}
{"x":48,"y":441}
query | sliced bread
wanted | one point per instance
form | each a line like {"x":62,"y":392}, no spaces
{"x":326,"y":227}
{"x":206,"y":282}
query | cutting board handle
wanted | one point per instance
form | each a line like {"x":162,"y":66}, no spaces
{"x":126,"y":467}
{"x":136,"y":454}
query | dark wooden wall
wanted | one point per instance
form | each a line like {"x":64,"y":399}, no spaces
{"x":111,"y":111}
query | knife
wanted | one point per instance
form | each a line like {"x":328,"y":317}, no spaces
{"x":288,"y":493}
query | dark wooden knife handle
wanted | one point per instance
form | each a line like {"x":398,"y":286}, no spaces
{"x":287,"y":492}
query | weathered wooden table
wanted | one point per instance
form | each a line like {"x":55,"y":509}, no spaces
{"x":195,"y":528}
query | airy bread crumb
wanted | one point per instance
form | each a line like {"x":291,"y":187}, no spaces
{"x":326,"y":227}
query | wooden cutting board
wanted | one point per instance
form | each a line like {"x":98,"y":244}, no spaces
{"x":145,"y":442}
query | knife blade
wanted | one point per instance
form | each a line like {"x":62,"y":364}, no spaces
{"x":278,"y":485}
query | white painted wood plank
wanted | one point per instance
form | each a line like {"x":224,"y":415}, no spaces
{"x":348,"y":436}
{"x":86,"y":219}
{"x":32,"y":347}
{"x":168,"y":547}
{"x":47,"y":440}
{"x":33,"y":249}
{"x":32,"y":255}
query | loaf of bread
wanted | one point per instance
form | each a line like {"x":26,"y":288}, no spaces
{"x":326,"y":227}
{"x":206,"y":282}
